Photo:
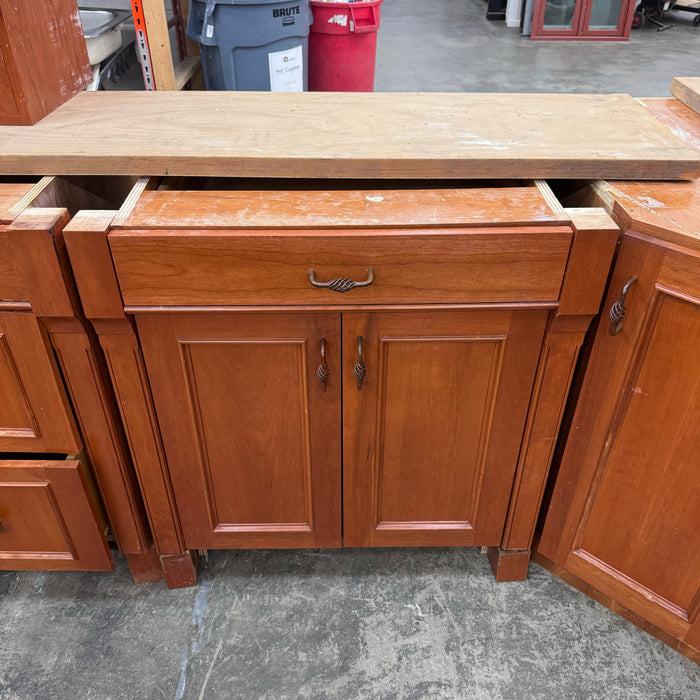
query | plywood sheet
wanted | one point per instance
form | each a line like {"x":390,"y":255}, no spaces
{"x":350,"y":135}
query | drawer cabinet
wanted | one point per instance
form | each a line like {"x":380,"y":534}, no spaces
{"x":355,"y":368}
{"x":57,"y":400}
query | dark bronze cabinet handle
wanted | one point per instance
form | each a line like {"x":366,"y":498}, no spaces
{"x":618,"y":310}
{"x":360,"y":367}
{"x":323,"y":371}
{"x":341,"y":284}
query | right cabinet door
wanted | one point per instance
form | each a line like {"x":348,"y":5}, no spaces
{"x":625,"y":512}
{"x":434,"y":405}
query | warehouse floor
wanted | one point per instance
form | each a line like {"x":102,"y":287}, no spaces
{"x":418,"y":623}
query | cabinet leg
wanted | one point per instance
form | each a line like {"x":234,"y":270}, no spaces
{"x":145,"y":567}
{"x":509,"y":565}
{"x":180,"y":570}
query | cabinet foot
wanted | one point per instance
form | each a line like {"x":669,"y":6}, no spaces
{"x":145,"y":567}
{"x":509,"y":565}
{"x":180,"y":570}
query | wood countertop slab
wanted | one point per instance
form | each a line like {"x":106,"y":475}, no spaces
{"x":666,"y":210}
{"x":349,"y":135}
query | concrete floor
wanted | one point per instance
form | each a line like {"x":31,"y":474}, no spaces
{"x":365,"y":623}
{"x":450,"y":46}
{"x":400,"y":624}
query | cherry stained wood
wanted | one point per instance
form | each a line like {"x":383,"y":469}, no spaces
{"x":44,"y":55}
{"x":431,"y":440}
{"x":592,"y":250}
{"x":252,"y":440}
{"x":10,"y":194}
{"x":86,"y":242}
{"x":34,"y":412}
{"x":356,"y":208}
{"x":350,"y":135}
{"x":192,"y":268}
{"x":35,"y":244}
{"x":48,"y":518}
{"x":626,"y":505}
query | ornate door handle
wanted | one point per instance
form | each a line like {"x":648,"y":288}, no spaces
{"x":618,"y":310}
{"x":323,"y":371}
{"x":360,"y":368}
{"x":341,"y":284}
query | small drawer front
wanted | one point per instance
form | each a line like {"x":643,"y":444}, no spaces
{"x":219,"y":268}
{"x":48,"y":519}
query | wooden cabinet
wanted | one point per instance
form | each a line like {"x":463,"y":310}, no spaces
{"x":323,"y":368}
{"x":43,"y":58}
{"x":625,"y":512}
{"x":57,"y":401}
{"x":583,"y":19}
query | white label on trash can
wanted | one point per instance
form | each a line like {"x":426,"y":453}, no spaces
{"x":340,"y":20}
{"x":210,"y":31}
{"x":287,"y":70}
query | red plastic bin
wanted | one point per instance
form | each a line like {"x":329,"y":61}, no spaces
{"x":343,"y":45}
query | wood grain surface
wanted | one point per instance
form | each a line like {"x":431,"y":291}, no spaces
{"x":687,"y":90}
{"x":346,"y":135}
{"x":666,"y":210}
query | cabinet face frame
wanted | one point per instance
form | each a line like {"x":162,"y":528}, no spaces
{"x":668,"y":283}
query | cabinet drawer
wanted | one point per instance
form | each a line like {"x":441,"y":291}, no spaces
{"x":48,"y":518}
{"x":210,"y":268}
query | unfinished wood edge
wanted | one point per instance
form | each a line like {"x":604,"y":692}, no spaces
{"x":33,"y":194}
{"x":549,"y":196}
{"x":591,"y":219}
{"x":142,"y":184}
{"x":91,"y":220}
{"x":185,"y":71}
{"x":159,"y":44}
{"x":687,"y":90}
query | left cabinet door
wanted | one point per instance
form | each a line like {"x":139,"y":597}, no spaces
{"x":251,"y":437}
{"x":48,"y":518}
{"x":35,"y":415}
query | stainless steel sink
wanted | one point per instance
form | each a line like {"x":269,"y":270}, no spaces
{"x":102,"y":34}
{"x":97,"y":22}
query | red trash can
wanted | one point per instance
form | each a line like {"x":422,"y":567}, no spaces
{"x":343,"y":45}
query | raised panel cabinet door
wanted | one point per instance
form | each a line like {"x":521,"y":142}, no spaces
{"x":625,"y":514}
{"x":48,"y":518}
{"x":35,"y":415}
{"x":251,"y":434}
{"x":434,"y":406}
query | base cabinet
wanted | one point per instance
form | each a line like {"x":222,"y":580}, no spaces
{"x":433,"y":409}
{"x":625,"y":511}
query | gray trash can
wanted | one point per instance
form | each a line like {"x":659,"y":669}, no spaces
{"x":252,"y":44}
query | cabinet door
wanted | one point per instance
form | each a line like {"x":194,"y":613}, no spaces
{"x":431,"y":438}
{"x":48,"y":518}
{"x":251,"y":437}
{"x":34,"y":412}
{"x":625,"y":513}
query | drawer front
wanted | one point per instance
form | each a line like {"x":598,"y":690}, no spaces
{"x":212,"y":268}
{"x":48,"y":519}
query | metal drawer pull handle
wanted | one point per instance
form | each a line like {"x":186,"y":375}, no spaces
{"x":342,"y":284}
{"x":618,"y":310}
{"x":323,"y":371}
{"x":360,"y":367}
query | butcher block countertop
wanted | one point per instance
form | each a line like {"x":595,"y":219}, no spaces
{"x":349,"y":135}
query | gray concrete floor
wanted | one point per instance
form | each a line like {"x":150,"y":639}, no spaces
{"x":365,"y":623}
{"x":450,"y":46}
{"x":401,"y":624}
